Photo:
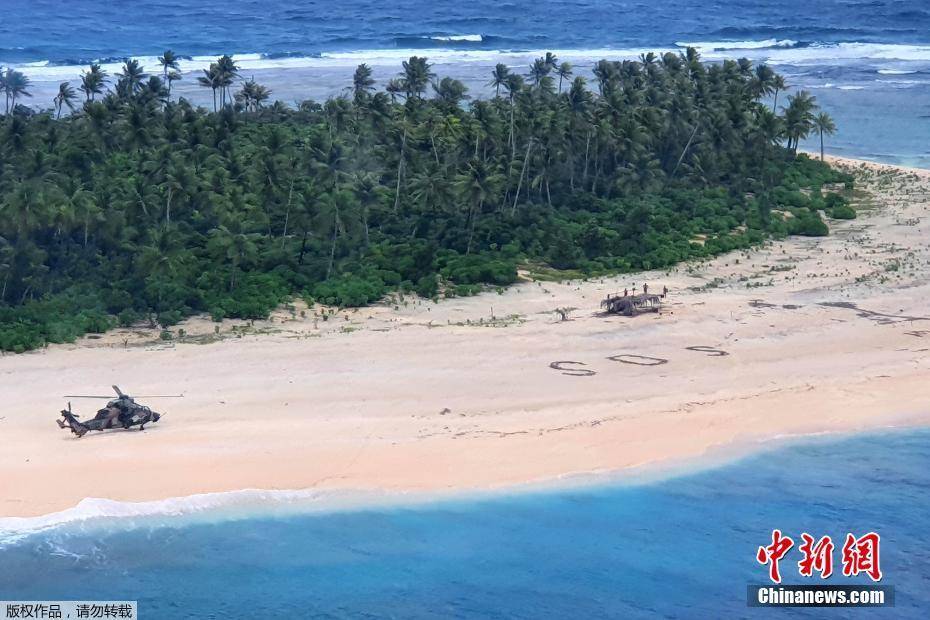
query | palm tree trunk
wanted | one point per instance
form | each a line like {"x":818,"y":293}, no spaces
{"x":303,"y":249}
{"x":685,"y":150}
{"x":400,"y":170}
{"x":587,"y":149}
{"x":526,"y":159}
{"x":365,"y":223}
{"x":432,"y":141}
{"x":471,"y":228}
{"x":287,"y":213}
{"x":513,"y":139}
{"x":332,"y":250}
{"x":821,"y":145}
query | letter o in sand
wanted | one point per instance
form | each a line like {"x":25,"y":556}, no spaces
{"x":639,"y":360}
{"x":572,"y":372}
{"x":711,"y":351}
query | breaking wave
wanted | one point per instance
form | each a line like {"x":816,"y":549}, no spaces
{"x":471,"y":48}
{"x":720,"y":46}
{"x":472,"y":38}
{"x":93,"y":514}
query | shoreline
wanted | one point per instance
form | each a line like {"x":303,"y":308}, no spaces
{"x":755,"y":344}
{"x":93,"y":514}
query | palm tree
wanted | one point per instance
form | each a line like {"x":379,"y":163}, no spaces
{"x":130,"y":78}
{"x":92,"y":81}
{"x":777,"y":84}
{"x":228,"y":71}
{"x":824,"y":124}
{"x":170,"y":67}
{"x":763,"y":81}
{"x":564,"y":72}
{"x":211,"y":78}
{"x":416,"y":76}
{"x":551,"y":61}
{"x":14,"y":86}
{"x":499,"y":78}
{"x":260,"y":95}
{"x":337,"y":213}
{"x":430,"y":189}
{"x":799,"y":118}
{"x":603,"y":73}
{"x":362,"y":83}
{"x":450,"y":92}
{"x":477,"y":186}
{"x":234,"y":246}
{"x":394,"y":88}
{"x":513,"y":84}
{"x":65,"y":97}
{"x":252,"y":95}
{"x":539,"y":70}
{"x":7,"y":254}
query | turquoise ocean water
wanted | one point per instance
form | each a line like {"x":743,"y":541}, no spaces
{"x":682,"y":547}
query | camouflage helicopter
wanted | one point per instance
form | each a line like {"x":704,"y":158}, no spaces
{"x":122,"y":411}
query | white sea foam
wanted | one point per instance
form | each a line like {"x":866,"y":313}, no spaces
{"x":717,"y":46}
{"x":472,"y":38}
{"x":774,"y":51}
{"x":847,"y":52}
{"x":94,"y":513}
{"x":831,"y":85}
{"x":897,"y":71}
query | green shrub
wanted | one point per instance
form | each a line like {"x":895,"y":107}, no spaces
{"x":128,"y":317}
{"x":168,"y":318}
{"x":483,"y":268}
{"x":843,"y":212}
{"x":807,"y":224}
{"x":349,"y":291}
{"x":427,"y":286}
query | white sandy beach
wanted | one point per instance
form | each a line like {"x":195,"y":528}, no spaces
{"x":807,"y":336}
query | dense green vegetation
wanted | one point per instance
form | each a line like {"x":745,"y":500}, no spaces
{"x":138,"y":207}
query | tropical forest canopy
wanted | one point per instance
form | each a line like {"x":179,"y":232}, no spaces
{"x":132,"y":205}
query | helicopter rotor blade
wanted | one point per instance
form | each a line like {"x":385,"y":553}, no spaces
{"x":84,"y":396}
{"x":160,"y":396}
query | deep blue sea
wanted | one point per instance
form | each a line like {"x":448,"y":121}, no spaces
{"x":682,"y":547}
{"x":867,"y":61}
